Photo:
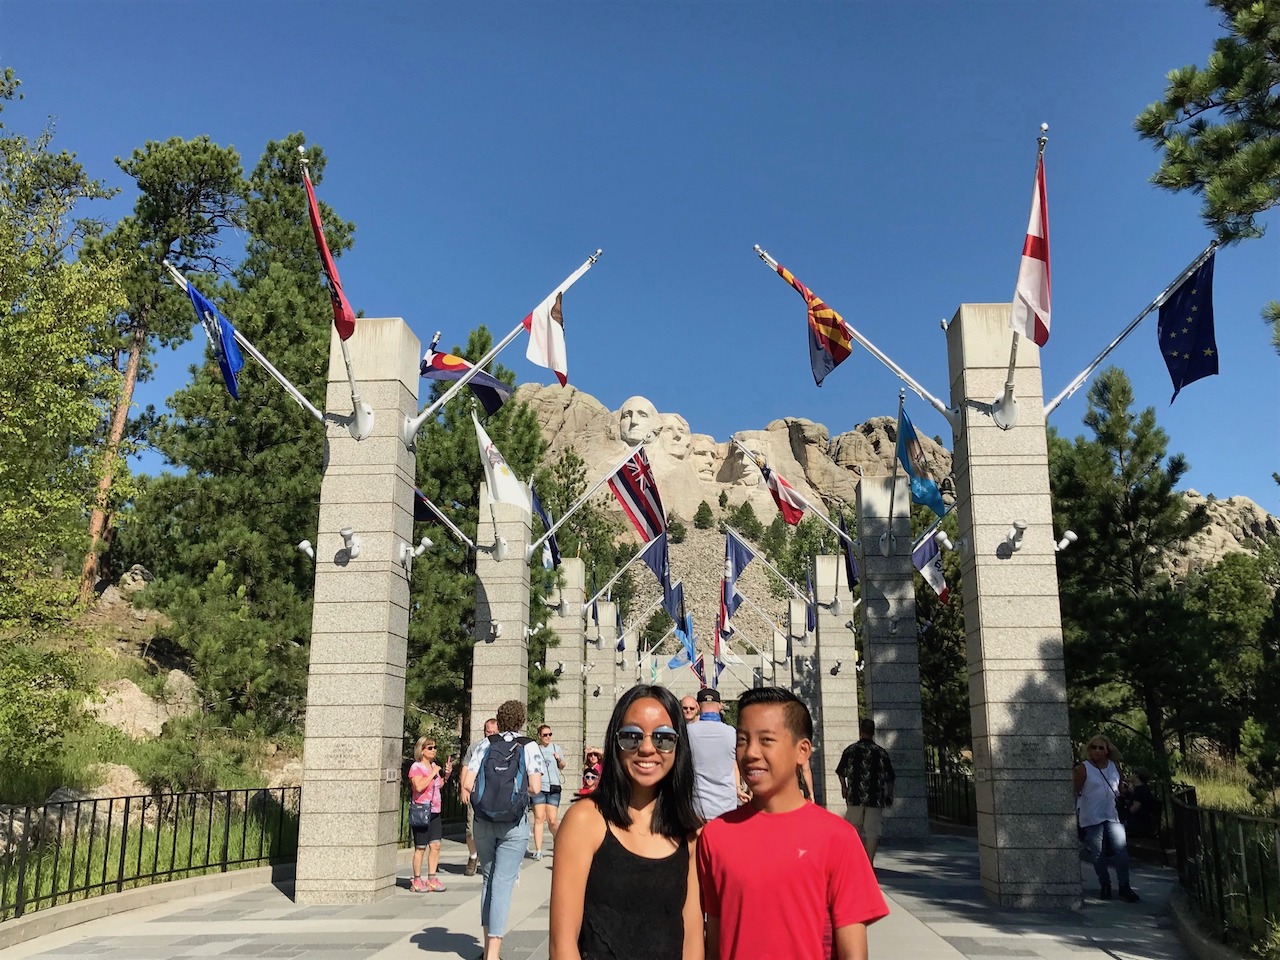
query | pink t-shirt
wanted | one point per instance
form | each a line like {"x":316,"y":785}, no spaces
{"x":781,"y":882}
{"x":432,"y":793}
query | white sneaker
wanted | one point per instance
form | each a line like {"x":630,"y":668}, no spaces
{"x":537,"y":854}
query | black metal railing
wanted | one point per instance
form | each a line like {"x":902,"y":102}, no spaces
{"x":59,"y":852}
{"x":1229,"y":866}
{"x":952,"y":796}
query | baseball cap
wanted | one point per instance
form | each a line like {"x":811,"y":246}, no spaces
{"x":707,"y":695}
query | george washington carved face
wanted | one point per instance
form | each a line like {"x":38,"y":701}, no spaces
{"x":638,"y":421}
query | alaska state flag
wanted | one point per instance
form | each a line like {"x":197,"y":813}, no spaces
{"x":489,"y":390}
{"x":1186,"y":330}
{"x":222,"y":337}
{"x":550,"y":549}
{"x":924,"y":489}
{"x":829,"y":340}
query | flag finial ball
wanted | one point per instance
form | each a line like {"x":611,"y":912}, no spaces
{"x":1044,"y":128}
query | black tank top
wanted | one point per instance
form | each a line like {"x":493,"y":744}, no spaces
{"x":634,"y":906}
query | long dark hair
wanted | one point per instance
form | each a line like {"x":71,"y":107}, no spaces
{"x":673,"y":813}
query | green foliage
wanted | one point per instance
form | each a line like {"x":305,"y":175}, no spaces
{"x":724,"y":499}
{"x":944,"y":668}
{"x":1260,"y":739}
{"x":743,"y":519}
{"x":703,"y":518}
{"x":1218,"y":128}
{"x":40,"y":696}
{"x":53,"y":391}
{"x":676,"y":531}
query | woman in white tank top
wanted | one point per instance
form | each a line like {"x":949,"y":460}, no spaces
{"x":1097,"y":786}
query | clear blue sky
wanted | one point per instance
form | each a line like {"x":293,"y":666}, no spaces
{"x":883,"y":152}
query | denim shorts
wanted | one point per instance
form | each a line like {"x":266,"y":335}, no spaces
{"x":550,"y":796}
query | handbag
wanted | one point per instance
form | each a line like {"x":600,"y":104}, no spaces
{"x":419,"y":814}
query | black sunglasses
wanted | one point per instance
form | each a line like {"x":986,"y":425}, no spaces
{"x":664,"y":739}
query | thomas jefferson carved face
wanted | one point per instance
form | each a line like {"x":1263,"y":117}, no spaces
{"x":675,"y":436}
{"x":638,"y":421}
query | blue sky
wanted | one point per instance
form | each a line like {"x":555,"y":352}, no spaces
{"x":884,"y":153}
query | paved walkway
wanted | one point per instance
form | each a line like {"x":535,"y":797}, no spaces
{"x":938,"y":913}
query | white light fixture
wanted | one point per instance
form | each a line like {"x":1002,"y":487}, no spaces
{"x":1015,"y":534}
{"x":1067,"y":540}
{"x":305,"y":547}
{"x":835,"y":668}
{"x":351,"y":542}
{"x":500,"y":549}
{"x":943,"y":541}
{"x":562,"y":608}
{"x":596,"y":691}
{"x":495,"y":631}
{"x":888,"y":543}
{"x":835,"y":607}
{"x":407,"y":552}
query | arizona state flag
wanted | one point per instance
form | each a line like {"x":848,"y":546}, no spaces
{"x":829,"y":340}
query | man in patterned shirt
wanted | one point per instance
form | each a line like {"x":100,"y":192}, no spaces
{"x":866,"y":783}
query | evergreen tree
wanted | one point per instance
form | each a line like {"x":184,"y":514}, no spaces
{"x":944,"y":666}
{"x":743,"y":519}
{"x":1125,"y":626}
{"x":188,"y":192}
{"x":220,"y":534}
{"x":1218,"y":128}
{"x":52,"y":392}
{"x":703,"y":518}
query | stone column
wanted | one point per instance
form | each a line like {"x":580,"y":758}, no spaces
{"x":1013,"y":630}
{"x":837,"y":677}
{"x":500,"y":660}
{"x":601,"y":678}
{"x":890,"y":646}
{"x":359,"y":628}
{"x":564,"y":712}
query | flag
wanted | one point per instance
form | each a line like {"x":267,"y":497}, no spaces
{"x":684,"y":633}
{"x":784,"y":495}
{"x":423,"y":512}
{"x":595,"y":607}
{"x":1030,"y":316}
{"x":222,"y":337}
{"x":622,"y":643}
{"x":850,"y":562}
{"x":657,"y":558}
{"x":699,"y":670}
{"x":1186,"y":330}
{"x":503,"y":485}
{"x":673,"y":601}
{"x":546,"y":336}
{"x":928,"y":560}
{"x":924,"y":489}
{"x":736,"y":557}
{"x":489,"y":390}
{"x":810,"y":614}
{"x":550,"y":549}
{"x":830,"y":342}
{"x":636,"y":490}
{"x":344,"y":318}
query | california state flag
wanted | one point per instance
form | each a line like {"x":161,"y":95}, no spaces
{"x":1030,"y":315}
{"x":546,"y":336}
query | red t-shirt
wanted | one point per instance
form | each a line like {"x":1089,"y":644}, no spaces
{"x":781,"y":882}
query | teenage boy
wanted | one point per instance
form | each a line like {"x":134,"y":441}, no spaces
{"x":781,"y":878}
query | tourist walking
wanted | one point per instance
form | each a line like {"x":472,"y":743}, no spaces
{"x":624,"y":885}
{"x":426,"y":780}
{"x":779,"y":876}
{"x":504,"y":772}
{"x":473,"y":861}
{"x":717,"y":787}
{"x":546,"y":805}
{"x":866,"y":783}
{"x":1097,"y":785}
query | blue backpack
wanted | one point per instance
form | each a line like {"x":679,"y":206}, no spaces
{"x":501,"y":794}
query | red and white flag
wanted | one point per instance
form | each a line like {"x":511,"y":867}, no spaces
{"x":784,"y":496}
{"x":1030,"y":316}
{"x":636,"y":490}
{"x":344,"y":318}
{"x":546,"y":336}
{"x":928,"y":560}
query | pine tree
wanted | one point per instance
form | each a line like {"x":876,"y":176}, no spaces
{"x":703,"y":518}
{"x":1218,"y":128}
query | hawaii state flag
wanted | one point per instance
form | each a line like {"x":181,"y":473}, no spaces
{"x":830,"y":342}
{"x":928,"y":560}
{"x":1030,"y":316}
{"x":784,"y":495}
{"x":222,"y":337}
{"x":489,"y":390}
{"x":344,"y":318}
{"x":636,"y":490}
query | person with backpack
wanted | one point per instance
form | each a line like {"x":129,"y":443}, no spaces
{"x":505,"y":770}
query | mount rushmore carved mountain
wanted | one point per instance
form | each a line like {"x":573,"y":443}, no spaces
{"x":693,"y":467}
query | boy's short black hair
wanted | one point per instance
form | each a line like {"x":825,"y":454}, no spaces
{"x":799,"y":720}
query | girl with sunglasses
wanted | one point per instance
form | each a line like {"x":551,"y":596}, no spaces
{"x":625,"y":882}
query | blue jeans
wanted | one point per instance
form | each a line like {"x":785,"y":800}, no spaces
{"x":501,"y":848}
{"x":1119,"y":851}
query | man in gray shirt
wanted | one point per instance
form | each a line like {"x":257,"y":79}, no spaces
{"x":713,"y":745}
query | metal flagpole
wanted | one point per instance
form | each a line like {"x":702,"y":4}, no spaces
{"x":581,"y":500}
{"x":799,"y":496}
{"x":361,"y":424}
{"x":250,"y":349}
{"x":1004,"y":412}
{"x":1155,"y":304}
{"x":931,"y":529}
{"x":759,"y":555}
{"x":621,"y":570}
{"x":413,"y":424}
{"x":910,"y":381}
{"x":887,"y":538}
{"x":449,"y":523}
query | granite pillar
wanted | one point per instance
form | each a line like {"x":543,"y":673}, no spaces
{"x":1013,"y":630}
{"x":564,"y":711}
{"x":837,"y":720}
{"x":359,"y":628}
{"x":500,"y":659}
{"x":602,"y":673}
{"x":891,"y":651}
